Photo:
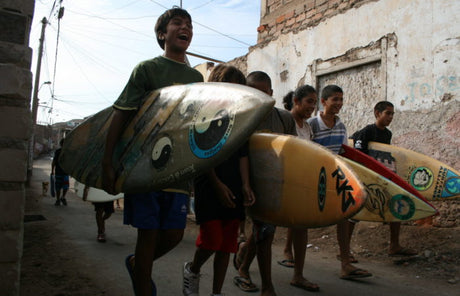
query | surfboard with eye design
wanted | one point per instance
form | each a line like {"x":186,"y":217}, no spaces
{"x":177,"y":133}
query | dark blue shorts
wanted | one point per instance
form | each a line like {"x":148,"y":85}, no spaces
{"x":262,"y":230}
{"x":156,"y":210}
{"x":61,"y":182}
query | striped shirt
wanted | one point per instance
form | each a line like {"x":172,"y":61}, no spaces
{"x":331,"y":138}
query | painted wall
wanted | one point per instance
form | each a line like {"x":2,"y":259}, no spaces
{"x":422,"y":66}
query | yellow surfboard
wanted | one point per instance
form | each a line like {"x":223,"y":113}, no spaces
{"x":299,"y":183}
{"x":433,"y":179}
{"x":386,"y":201}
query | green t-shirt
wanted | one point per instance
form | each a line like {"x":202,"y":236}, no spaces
{"x":151,"y":75}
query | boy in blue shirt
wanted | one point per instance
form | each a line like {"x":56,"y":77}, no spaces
{"x":330,"y":132}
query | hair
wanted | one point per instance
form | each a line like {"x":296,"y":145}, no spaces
{"x":258,"y":76}
{"x":300,"y":92}
{"x":227,"y":73}
{"x":287,"y":100}
{"x":61,"y":142}
{"x":382,"y":105}
{"x":329,"y":90}
{"x":163,"y":20}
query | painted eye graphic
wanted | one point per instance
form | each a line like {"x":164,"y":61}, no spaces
{"x":210,"y":128}
{"x":161,"y":152}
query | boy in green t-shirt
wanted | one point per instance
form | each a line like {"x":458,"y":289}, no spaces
{"x":159,"y":216}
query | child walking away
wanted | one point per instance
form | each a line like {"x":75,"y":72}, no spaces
{"x":378,"y":132}
{"x":158,"y":216}
{"x":103,"y":212}
{"x":61,"y":179}
{"x":220,"y":197}
{"x":330,"y":132}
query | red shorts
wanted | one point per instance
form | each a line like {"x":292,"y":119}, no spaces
{"x":219,"y":235}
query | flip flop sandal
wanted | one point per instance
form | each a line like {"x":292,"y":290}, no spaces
{"x":306,"y":285}
{"x":245,"y":284}
{"x":352,"y":259}
{"x":357,"y":273}
{"x":287,"y":263}
{"x":131,"y":275}
{"x":404,"y":252}
{"x":101,"y":238}
{"x":237,"y":256}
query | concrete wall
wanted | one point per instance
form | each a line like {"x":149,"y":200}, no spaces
{"x":406,"y":52}
{"x":15,"y":123}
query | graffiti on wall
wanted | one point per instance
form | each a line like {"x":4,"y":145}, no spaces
{"x":442,"y":85}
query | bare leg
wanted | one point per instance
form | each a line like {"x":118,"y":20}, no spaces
{"x":343,"y":238}
{"x":264,"y":259}
{"x":220,"y":269}
{"x":200,"y":257}
{"x":143,"y":260}
{"x":395,"y":247}
{"x":299,"y":239}
{"x":395,"y":228}
{"x":288,"y":246}
{"x":100,"y":221}
{"x":151,"y":245}
{"x":250,"y":255}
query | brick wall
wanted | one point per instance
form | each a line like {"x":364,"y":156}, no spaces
{"x":283,"y":16}
{"x":15,"y":123}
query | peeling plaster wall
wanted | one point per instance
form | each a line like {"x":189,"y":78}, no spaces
{"x":422,"y":67}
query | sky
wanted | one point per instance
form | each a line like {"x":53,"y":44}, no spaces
{"x":89,"y":54}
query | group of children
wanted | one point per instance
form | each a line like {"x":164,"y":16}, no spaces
{"x":221,"y":194}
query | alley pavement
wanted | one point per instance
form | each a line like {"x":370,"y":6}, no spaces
{"x":104,"y":262}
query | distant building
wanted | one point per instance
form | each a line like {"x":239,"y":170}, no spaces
{"x":406,"y":52}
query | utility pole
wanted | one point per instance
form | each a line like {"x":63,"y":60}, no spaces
{"x":35,"y":100}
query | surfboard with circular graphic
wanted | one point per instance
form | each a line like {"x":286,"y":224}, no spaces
{"x":177,"y":133}
{"x":386,"y":200}
{"x":433,"y":179}
{"x":300,"y":183}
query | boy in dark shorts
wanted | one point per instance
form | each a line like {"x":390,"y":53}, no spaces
{"x":158,"y":216}
{"x":378,"y":132}
{"x":61,"y":182}
{"x":260,"y":242}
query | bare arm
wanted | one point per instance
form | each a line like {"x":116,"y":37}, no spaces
{"x":248,"y":194}
{"x":117,"y":125}
{"x":224,"y":193}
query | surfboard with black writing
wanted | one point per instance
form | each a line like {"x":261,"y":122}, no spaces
{"x":300,"y":183}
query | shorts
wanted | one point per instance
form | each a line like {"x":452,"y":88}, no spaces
{"x":219,"y":235}
{"x":156,"y":210}
{"x":262,"y":230}
{"x":61,"y":182}
{"x":107,"y":206}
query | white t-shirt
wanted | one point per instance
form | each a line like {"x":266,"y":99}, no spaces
{"x":304,"y":132}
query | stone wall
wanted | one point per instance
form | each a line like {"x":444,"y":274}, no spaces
{"x":15,"y":126}
{"x":284,"y":16}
